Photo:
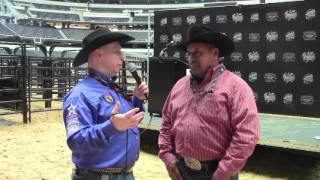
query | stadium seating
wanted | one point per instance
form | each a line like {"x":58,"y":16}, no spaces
{"x":106,"y":19}
{"x":6,"y":31}
{"x":32,"y":31}
{"x":76,"y":34}
{"x":56,"y":16}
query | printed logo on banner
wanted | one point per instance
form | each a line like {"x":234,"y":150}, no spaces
{"x":256,"y":96}
{"x":253,"y":56}
{"x":307,"y":100}
{"x":176,"y":54}
{"x":236,"y":56}
{"x":176,"y":21}
{"x":289,"y":57}
{"x":269,"y":97}
{"x":164,"y":38}
{"x":253,"y":77}
{"x":237,"y":37}
{"x":163,"y":21}
{"x":308,"y":79}
{"x":254,"y":37}
{"x":288,"y":98}
{"x":238,"y":73}
{"x":310,"y":14}
{"x":177,"y":38}
{"x":220,"y":19}
{"x":272,"y":16}
{"x":191,"y":19}
{"x":237,"y":17}
{"x":254,"y":17}
{"x":290,"y":36}
{"x":271,"y":57}
{"x":308,"y":56}
{"x":206,"y":19}
{"x":290,"y":15}
{"x":270,"y":77}
{"x":272,"y":36}
{"x":288,"y":77}
{"x":309,"y":35}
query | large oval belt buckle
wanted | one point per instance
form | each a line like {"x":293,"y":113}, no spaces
{"x":192,"y":163}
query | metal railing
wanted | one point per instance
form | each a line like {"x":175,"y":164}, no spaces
{"x":30,"y":84}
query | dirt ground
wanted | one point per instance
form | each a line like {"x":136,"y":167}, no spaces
{"x":39,"y":151}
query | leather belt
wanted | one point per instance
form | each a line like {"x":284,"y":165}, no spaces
{"x":107,"y":170}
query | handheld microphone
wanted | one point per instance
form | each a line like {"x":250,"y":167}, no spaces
{"x":133,"y":70}
{"x":163,"y":50}
{"x":170,"y":44}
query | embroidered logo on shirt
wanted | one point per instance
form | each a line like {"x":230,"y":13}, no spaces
{"x":109,"y":98}
{"x":72,"y":109}
{"x":72,"y":119}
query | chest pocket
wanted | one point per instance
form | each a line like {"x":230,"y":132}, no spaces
{"x":105,"y":106}
{"x":213,"y":106}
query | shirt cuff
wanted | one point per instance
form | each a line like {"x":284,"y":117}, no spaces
{"x":168,"y":158}
{"x":220,"y":175}
{"x":108,"y":128}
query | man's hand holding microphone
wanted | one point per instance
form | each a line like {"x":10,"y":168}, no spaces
{"x":130,"y":118}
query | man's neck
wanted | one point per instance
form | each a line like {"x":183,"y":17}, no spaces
{"x":102,"y":74}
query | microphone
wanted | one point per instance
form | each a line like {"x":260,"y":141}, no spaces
{"x":169,"y":44}
{"x":133,"y":70}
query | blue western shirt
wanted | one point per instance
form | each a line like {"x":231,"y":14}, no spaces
{"x":91,"y":136}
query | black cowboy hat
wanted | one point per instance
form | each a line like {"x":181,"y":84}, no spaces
{"x":198,"y":33}
{"x":97,"y":39}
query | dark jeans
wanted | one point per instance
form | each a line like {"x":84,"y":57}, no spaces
{"x":203,"y":174}
{"x":78,"y":174}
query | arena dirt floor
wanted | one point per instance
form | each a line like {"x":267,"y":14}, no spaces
{"x":38,"y":151}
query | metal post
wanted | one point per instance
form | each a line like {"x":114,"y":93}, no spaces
{"x":148,"y":45}
{"x":24,"y":71}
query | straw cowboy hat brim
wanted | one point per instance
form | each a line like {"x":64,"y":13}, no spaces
{"x":206,"y":35}
{"x":97,"y":39}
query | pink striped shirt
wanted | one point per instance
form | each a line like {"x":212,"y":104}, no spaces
{"x":216,"y":119}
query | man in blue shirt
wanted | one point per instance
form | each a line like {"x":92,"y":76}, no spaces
{"x":100,"y":120}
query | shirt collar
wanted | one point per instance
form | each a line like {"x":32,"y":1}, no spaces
{"x":105,"y":76}
{"x":212,"y":73}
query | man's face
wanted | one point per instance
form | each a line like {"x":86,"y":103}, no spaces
{"x":111,"y":58}
{"x":202,"y":57}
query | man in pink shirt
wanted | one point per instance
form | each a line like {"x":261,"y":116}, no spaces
{"x":210,"y":120}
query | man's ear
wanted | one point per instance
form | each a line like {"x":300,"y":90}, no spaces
{"x":97,"y":54}
{"x":215,"y":51}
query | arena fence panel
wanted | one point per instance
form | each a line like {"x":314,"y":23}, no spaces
{"x":30,"y":84}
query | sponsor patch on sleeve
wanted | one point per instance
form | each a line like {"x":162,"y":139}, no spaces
{"x":72,"y":119}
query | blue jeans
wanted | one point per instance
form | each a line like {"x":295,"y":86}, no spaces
{"x":89,"y":175}
{"x":188,"y":174}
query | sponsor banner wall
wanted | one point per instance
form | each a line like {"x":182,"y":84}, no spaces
{"x":277,"y":49}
